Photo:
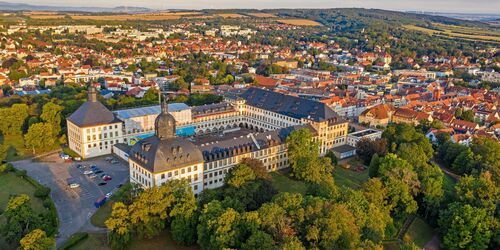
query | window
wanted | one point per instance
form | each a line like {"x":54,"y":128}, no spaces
{"x":163,"y":176}
{"x":183,"y":171}
{"x":169,"y":174}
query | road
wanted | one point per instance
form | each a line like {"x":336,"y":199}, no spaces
{"x":74,"y":206}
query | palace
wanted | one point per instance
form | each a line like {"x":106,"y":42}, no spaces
{"x":202,"y":143}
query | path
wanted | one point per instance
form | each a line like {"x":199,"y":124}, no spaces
{"x":433,"y":244}
{"x":446,"y":170}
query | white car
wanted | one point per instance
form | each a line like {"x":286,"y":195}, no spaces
{"x":88,"y":172}
{"x":109,"y":195}
{"x":74,"y":185}
{"x":92,"y":176}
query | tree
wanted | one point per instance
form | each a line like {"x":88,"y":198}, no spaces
{"x":431,"y":181}
{"x":258,"y":168}
{"x":39,"y":136}
{"x":119,"y":226}
{"x":402,"y":183}
{"x":374,"y":166}
{"x":19,"y":218}
{"x":37,"y":240}
{"x":303,"y":155}
{"x":259,"y":241}
{"x":489,"y":151}
{"x":3,"y":152}
{"x":51,"y":114}
{"x":466,"y":162}
{"x":366,"y":148}
{"x":151,"y":95}
{"x":465,"y":226}
{"x":13,"y":119}
{"x":239,"y":175}
{"x":218,"y":227}
{"x":479,"y":191}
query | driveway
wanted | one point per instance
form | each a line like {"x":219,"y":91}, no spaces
{"x":74,"y":206}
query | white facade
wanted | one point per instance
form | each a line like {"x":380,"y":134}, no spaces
{"x":94,"y":141}
{"x":353,"y":138}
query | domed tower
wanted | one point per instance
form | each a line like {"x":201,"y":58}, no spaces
{"x":165,"y":123}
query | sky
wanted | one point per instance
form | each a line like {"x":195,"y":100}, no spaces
{"x":455,"y":6}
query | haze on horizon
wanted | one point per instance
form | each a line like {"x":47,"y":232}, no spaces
{"x":449,"y":6}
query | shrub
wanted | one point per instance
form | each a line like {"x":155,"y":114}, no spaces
{"x":42,"y":192}
{"x":21,"y":173}
{"x":73,"y":240}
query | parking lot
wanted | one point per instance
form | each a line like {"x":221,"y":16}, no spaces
{"x":75,"y":205}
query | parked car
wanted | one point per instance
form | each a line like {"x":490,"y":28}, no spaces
{"x":64,"y":156}
{"x":102,"y":183}
{"x":100,"y":201}
{"x":98,"y":172}
{"x":74,"y":185}
{"x":77,"y":158}
{"x":107,"y":178}
{"x":109,"y":158}
{"x":92,"y":176}
{"x":88,"y":172}
{"x":119,"y":185}
{"x":114,"y":161}
{"x":108,"y":195}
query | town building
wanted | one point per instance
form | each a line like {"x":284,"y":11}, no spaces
{"x":93,"y":129}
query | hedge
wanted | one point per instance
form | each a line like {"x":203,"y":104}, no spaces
{"x":73,"y":240}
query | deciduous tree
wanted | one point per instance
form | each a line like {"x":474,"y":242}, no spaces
{"x":37,"y":240}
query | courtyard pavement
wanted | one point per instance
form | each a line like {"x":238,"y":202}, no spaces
{"x":74,"y":206}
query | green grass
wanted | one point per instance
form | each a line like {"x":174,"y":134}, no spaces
{"x":102,"y":214}
{"x":348,"y":178}
{"x":10,"y":184}
{"x":283,"y":183}
{"x":419,"y":232}
{"x":74,"y":240}
{"x":162,"y":241}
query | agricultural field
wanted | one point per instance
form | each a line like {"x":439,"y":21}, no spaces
{"x":231,"y":15}
{"x":157,"y":16}
{"x":135,"y":17}
{"x":46,"y":16}
{"x":453,"y":31}
{"x":299,"y":22}
{"x":261,"y":15}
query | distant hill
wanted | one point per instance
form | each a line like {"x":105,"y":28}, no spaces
{"x":29,"y":7}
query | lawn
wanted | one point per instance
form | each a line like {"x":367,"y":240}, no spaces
{"x":162,"y":241}
{"x":283,"y":183}
{"x":348,"y":178}
{"x":419,"y":232}
{"x":10,"y":184}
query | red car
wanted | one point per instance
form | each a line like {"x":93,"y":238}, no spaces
{"x":107,"y":178}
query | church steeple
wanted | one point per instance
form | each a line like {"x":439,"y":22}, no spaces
{"x":165,"y":123}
